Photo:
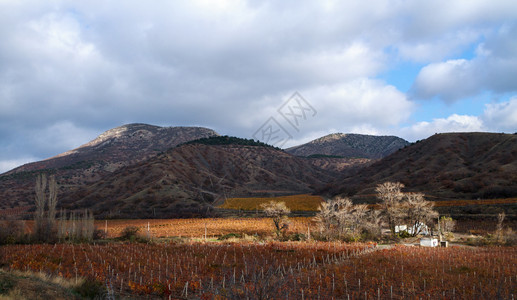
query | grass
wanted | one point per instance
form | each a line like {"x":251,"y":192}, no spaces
{"x":15,"y":284}
{"x":303,"y":202}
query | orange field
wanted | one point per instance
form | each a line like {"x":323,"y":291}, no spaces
{"x":293,"y":270}
{"x":304,"y":202}
{"x":196,"y":227}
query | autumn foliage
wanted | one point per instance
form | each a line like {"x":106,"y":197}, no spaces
{"x":277,"y":270}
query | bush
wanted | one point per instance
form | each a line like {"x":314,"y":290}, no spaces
{"x":130,"y":233}
{"x":91,"y":289}
{"x":296,"y":237}
{"x":229,"y":236}
{"x":404,"y":234}
{"x":6,"y":284}
{"x":12,"y":232}
{"x":99,"y":234}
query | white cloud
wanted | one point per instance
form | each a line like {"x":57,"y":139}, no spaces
{"x":497,"y":117}
{"x":360,"y":106}
{"x":501,"y":116}
{"x":450,"y":80}
{"x":454,"y":123}
{"x":69,"y":70}
{"x":7,"y":165}
{"x":494,"y":68}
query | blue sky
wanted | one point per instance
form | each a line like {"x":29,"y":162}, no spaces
{"x":71,"y":70}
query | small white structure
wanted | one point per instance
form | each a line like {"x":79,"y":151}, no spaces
{"x":421,"y":228}
{"x":428,"y":242}
{"x":400,"y":228}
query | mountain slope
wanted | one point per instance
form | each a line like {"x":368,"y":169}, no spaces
{"x":451,"y":165}
{"x":188,"y":179}
{"x":350,"y":146}
{"x":112,"y":150}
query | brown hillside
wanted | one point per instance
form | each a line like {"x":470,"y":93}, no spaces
{"x":350,"y":146}
{"x":188,"y":179}
{"x":112,"y":150}
{"x":452,"y":165}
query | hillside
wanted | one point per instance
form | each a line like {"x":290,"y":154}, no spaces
{"x":188,"y":179}
{"x":451,"y":165}
{"x":350,"y":146}
{"x":112,"y":150}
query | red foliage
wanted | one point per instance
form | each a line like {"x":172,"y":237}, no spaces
{"x":279,"y":270}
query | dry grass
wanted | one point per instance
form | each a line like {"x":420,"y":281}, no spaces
{"x":37,"y":285}
{"x":195,"y":228}
{"x":303,"y":202}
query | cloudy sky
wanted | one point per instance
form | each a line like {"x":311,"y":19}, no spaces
{"x":70,"y":70}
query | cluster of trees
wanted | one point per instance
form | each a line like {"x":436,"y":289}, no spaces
{"x":229,"y":140}
{"x":47,"y":227}
{"x":400,"y":208}
{"x":340,"y":218}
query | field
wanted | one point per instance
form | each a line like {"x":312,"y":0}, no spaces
{"x":304,"y":202}
{"x":195,"y":228}
{"x":277,"y":270}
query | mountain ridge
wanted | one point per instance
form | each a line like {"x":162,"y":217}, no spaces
{"x":350,"y":145}
{"x":444,"y":166}
{"x":188,"y":179}
{"x":113,"y":149}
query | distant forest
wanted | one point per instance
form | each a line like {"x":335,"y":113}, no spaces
{"x":229,"y":140}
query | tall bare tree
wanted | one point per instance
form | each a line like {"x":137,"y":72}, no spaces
{"x":278,"y":211}
{"x":390,"y":193}
{"x":44,"y":219}
{"x":418,"y":211}
{"x":52,"y":199}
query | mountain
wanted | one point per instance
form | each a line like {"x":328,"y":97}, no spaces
{"x":350,"y":146}
{"x":189,"y":179}
{"x":112,"y":150}
{"x":444,"y":166}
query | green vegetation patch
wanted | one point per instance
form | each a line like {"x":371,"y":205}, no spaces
{"x":6,"y":284}
{"x":228,"y":140}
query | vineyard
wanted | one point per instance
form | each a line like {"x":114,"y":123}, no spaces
{"x":278,"y":270}
{"x":304,"y":202}
{"x":195,"y":228}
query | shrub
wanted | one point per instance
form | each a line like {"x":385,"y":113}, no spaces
{"x":6,"y":284}
{"x":130,"y":233}
{"x":404,"y":234}
{"x":12,"y":232}
{"x":91,"y":289}
{"x":296,"y":237}
{"x":229,"y":236}
{"x":99,"y":234}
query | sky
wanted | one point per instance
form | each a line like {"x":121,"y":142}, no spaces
{"x":284,"y":72}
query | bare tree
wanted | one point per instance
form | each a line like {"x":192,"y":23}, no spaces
{"x":41,"y":202}
{"x":391,"y":206}
{"x":499,"y":233}
{"x":278,"y":211}
{"x":418,"y":211}
{"x":447,"y":224}
{"x":340,"y":218}
{"x":325,"y":218}
{"x":44,"y":219}
{"x":52,"y":199}
{"x":374,"y":223}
